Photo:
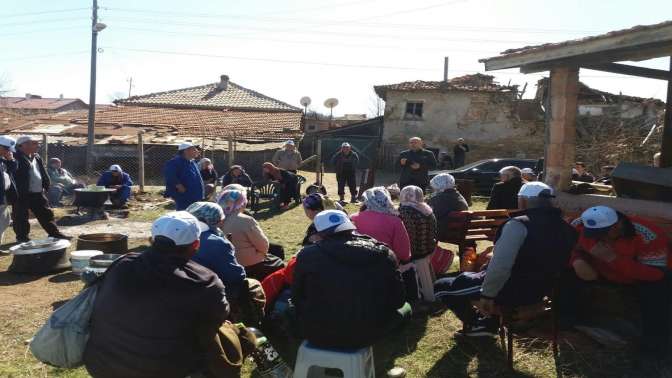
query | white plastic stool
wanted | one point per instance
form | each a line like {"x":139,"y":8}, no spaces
{"x":426,"y":277}
{"x":354,"y":364}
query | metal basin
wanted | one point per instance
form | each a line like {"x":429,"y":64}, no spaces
{"x":40,"y":256}
{"x":104,"y":242}
{"x":85,"y":197}
{"x":104,"y":260}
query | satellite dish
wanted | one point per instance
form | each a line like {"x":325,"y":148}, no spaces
{"x":305,"y":101}
{"x":330,"y":103}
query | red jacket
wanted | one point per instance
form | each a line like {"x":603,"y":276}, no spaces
{"x":274,"y":283}
{"x":636,"y":257}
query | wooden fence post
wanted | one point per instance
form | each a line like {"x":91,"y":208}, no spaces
{"x":231,"y":152}
{"x":141,"y":161}
{"x":318,"y":163}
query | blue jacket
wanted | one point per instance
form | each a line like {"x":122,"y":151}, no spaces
{"x":179,"y":170}
{"x":217,"y":254}
{"x":106,"y":179}
{"x":7,"y":196}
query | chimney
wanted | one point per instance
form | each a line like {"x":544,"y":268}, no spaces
{"x":28,"y":96}
{"x":223,"y":82}
{"x":60,"y":97}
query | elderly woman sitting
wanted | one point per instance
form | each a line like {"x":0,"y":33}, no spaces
{"x":116,"y":178}
{"x":250,"y":242}
{"x":420,"y":223}
{"x":209,"y":176}
{"x":445,"y":200}
{"x":62,"y":182}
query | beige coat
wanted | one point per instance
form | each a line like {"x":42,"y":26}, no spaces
{"x":289,"y":160}
{"x":247,"y":237}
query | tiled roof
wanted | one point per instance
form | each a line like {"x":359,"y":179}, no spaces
{"x":36,"y":103}
{"x":204,"y":123}
{"x":210,"y":96}
{"x":470,"y":83}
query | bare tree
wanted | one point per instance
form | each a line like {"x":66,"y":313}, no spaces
{"x":376,"y":105}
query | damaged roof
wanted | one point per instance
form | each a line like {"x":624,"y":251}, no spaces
{"x":223,"y":95}
{"x":471,"y":83}
{"x":589,"y":94}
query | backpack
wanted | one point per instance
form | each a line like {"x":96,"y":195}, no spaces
{"x":61,"y":341}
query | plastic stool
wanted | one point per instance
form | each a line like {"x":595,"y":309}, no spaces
{"x":426,"y":278}
{"x":353,"y":363}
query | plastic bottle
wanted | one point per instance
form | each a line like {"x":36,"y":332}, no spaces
{"x":268,"y":361}
{"x":469,"y":260}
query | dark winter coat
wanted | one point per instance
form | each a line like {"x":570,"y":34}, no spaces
{"x":504,"y":195}
{"x":418,"y":177}
{"x":421,"y":231}
{"x":8,"y":196}
{"x":244,"y":179}
{"x":346,"y":290}
{"x":22,"y":174}
{"x":345,"y":164}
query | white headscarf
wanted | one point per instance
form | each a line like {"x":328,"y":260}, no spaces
{"x":442,"y":182}
{"x":414,"y":197}
{"x":378,"y":199}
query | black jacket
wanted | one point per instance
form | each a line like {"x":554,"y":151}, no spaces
{"x":7,"y":196}
{"x":209,"y":176}
{"x":443,"y":204}
{"x":345,"y":164}
{"x":346,"y":290}
{"x":244,"y":179}
{"x":505,"y":194}
{"x":148,"y":315}
{"x":418,"y":177}
{"x":543,"y":256}
{"x":22,"y":174}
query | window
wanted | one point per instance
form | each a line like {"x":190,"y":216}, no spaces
{"x":311,"y":127}
{"x":413,"y":110}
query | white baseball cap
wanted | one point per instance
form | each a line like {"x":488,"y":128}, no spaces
{"x":26,"y":138}
{"x":185,"y":145}
{"x":536,"y":189}
{"x":180,"y":227}
{"x":346,"y":144}
{"x":528,"y":171}
{"x":8,"y":142}
{"x":289,"y":142}
{"x":333,"y":221}
{"x":597,"y":220}
{"x":115,"y":168}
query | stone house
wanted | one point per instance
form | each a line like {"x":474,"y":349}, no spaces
{"x":491,"y":117}
{"x":34,"y":104}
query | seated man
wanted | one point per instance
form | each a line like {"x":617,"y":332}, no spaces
{"x":528,"y":174}
{"x":115,"y":178}
{"x":625,"y":250}
{"x":347,"y":289}
{"x":62,"y":182}
{"x":530,"y":251}
{"x":153,"y":309}
{"x":236,"y":175}
{"x":579,"y":173}
{"x":607,"y":170}
{"x":504,"y":194}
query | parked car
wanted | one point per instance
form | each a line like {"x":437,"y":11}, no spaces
{"x":485,"y":173}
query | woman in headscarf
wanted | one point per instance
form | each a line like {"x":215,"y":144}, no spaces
{"x":209,"y":176}
{"x":420,"y":223}
{"x":446,"y":199}
{"x":379,"y":219}
{"x":288,"y":183}
{"x":250,"y":242}
{"x":237,"y":175}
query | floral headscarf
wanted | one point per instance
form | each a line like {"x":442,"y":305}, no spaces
{"x":237,"y":187}
{"x":207,"y":212}
{"x":442,"y":182}
{"x":232,"y":201}
{"x":414,"y":197}
{"x":378,"y":199}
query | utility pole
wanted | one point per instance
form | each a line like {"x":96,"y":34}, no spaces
{"x":130,"y":85}
{"x":445,"y":69}
{"x":95,"y":28}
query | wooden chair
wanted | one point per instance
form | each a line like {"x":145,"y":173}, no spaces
{"x":467,"y":227}
{"x":265,"y":190}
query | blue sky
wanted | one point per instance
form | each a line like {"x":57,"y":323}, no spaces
{"x":290,"y":49}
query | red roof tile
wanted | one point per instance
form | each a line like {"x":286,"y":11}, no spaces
{"x":470,"y":83}
{"x":36,"y":103}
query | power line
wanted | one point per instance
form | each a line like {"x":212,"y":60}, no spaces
{"x":7,"y":15}
{"x":43,"y":56}
{"x":43,"y":30}
{"x":40,"y":21}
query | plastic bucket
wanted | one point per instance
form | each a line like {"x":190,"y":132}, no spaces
{"x":80,"y":259}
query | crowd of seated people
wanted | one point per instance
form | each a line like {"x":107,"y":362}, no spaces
{"x":357,"y":278}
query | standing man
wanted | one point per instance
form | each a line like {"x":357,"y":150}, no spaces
{"x":345,"y":160}
{"x":32,"y":181}
{"x":183,"y":178}
{"x":288,"y":158}
{"x":7,"y":187}
{"x":460,"y":152}
{"x":415,"y":164}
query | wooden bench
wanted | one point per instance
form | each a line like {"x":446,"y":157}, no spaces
{"x":468,"y":227}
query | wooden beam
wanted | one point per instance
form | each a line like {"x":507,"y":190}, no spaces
{"x":561,"y":133}
{"x":666,"y":145}
{"x":637,"y":53}
{"x":625,"y":69}
{"x":661,"y":33}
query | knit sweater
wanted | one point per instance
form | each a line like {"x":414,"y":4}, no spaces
{"x":421,"y":231}
{"x":250,"y":243}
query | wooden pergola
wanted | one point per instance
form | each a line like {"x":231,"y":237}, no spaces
{"x":604,"y":52}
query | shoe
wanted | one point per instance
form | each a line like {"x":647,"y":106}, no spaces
{"x":354,"y":200}
{"x":22,"y":240}
{"x":483,"y":327}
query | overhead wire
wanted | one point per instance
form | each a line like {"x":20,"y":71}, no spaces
{"x":8,"y":15}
